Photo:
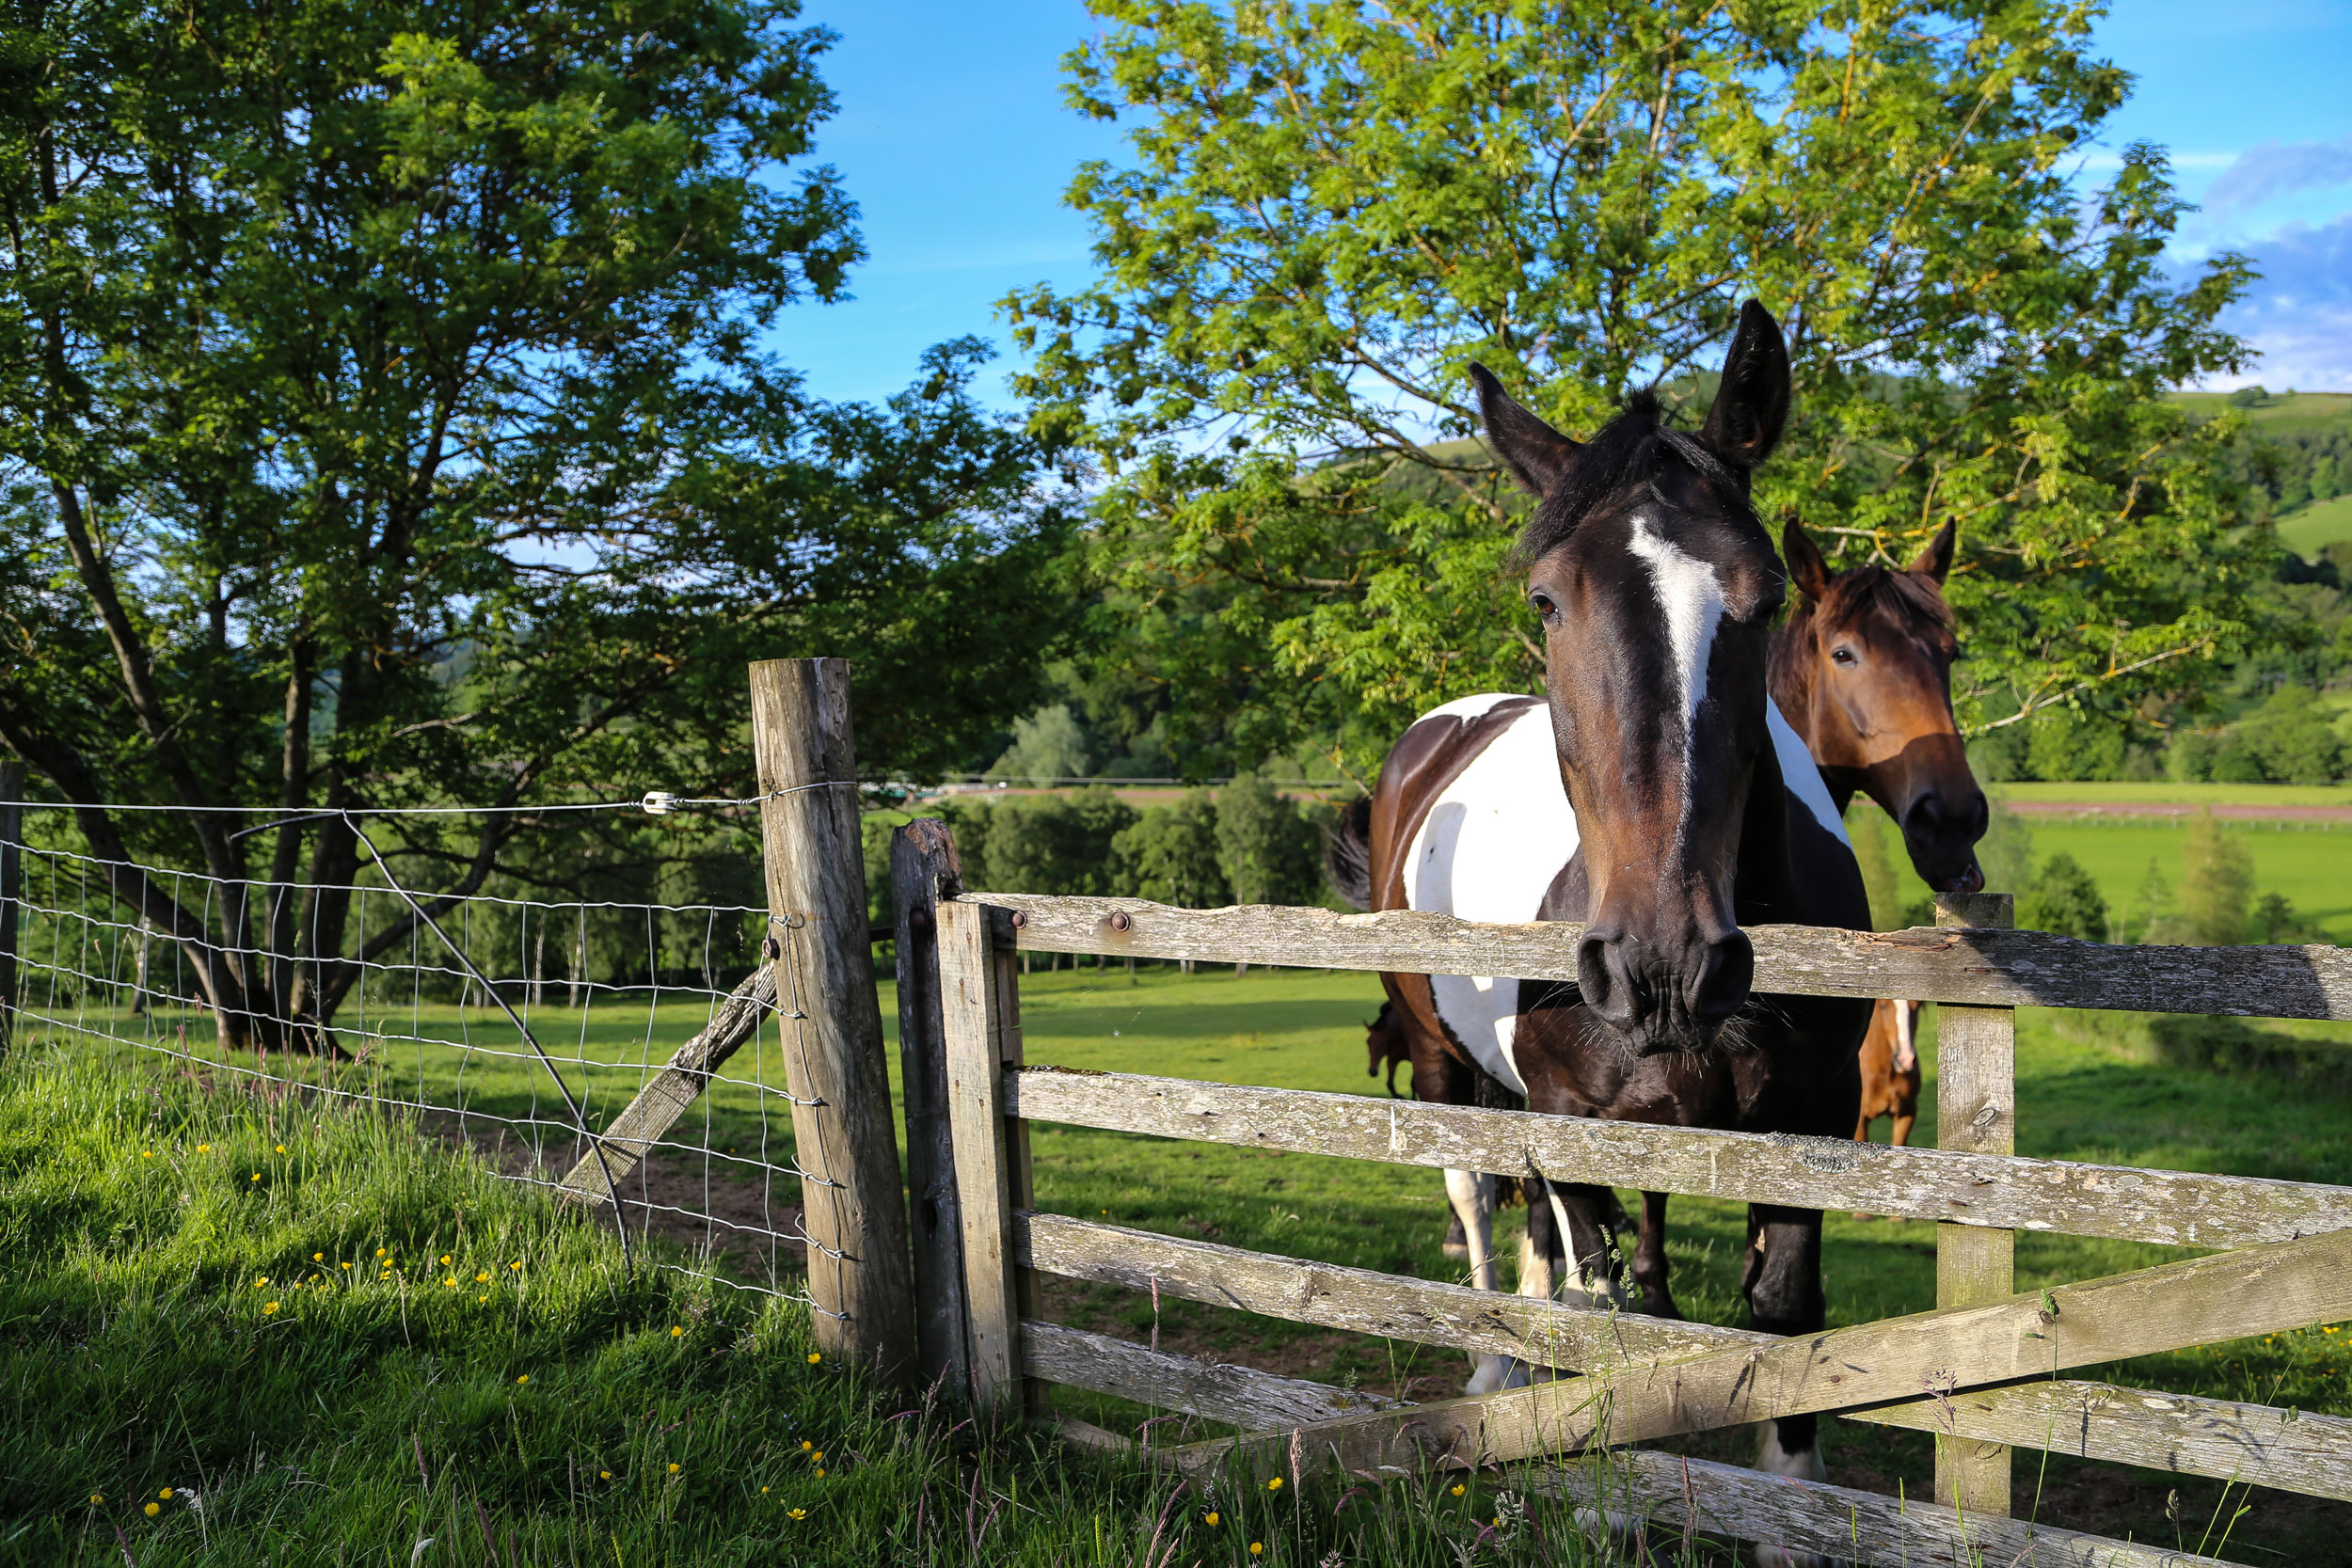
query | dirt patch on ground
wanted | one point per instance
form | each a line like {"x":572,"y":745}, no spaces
{"x":749,"y":1229}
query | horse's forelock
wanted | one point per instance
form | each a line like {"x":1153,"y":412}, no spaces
{"x":1913,"y":603}
{"x":1637,"y":447}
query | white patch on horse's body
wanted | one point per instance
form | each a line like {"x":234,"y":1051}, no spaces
{"x":1487,"y":851}
{"x":1806,"y":1466}
{"x":1495,"y":838}
{"x":1801,"y":774}
{"x":1467,"y":707}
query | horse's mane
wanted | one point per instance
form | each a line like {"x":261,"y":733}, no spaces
{"x":1632,"y":448}
{"x":1909,"y":601}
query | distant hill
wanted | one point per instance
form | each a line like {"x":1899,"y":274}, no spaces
{"x":2298,"y":458}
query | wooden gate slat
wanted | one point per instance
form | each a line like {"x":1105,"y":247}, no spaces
{"x":1988,"y":969}
{"x":2223,"y":1296}
{"x":2120,"y":1202}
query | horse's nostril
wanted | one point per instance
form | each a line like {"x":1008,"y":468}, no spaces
{"x":1600,"y":976}
{"x":1726,"y":973}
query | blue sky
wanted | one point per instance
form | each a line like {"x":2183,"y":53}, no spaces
{"x":953,"y":139}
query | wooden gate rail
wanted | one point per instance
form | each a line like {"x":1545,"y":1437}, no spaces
{"x":2261,"y":1290}
{"x":1980,"y":1373}
{"x":2226,"y":1440}
{"x":2005,"y":1190}
{"x":1841,"y":1522}
{"x":1974,"y":967}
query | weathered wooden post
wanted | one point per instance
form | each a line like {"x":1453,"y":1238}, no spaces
{"x":843,"y":1133}
{"x":979,"y":987}
{"x":11,"y":875}
{"x":1976,"y":1110}
{"x":923,"y":869}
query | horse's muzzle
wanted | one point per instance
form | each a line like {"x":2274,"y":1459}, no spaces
{"x":1662,"y":999}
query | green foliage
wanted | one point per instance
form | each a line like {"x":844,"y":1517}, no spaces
{"x":2274,"y":920}
{"x":1331,"y":211}
{"x":1267,"y":845}
{"x":1056,"y":842}
{"x":2216,"y":886}
{"x":1169,"y":855}
{"x":387,"y":420}
{"x":2005,"y":854}
{"x":2289,"y":741}
{"x":2152,"y":913}
{"x":2069,"y":744}
{"x":2064,"y":899}
{"x":1047,"y":748}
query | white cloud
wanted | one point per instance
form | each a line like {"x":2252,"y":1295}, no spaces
{"x":2274,"y":169}
{"x":2298,"y":315}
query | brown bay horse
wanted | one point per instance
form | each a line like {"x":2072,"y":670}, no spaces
{"x":1889,"y":1063}
{"x":1657,"y":796}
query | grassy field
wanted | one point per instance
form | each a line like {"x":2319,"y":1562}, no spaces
{"x":2165,"y":792}
{"x":2310,"y":529}
{"x":142,"y":1357}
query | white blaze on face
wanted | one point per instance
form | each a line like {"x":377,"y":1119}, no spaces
{"x":1691,"y":596}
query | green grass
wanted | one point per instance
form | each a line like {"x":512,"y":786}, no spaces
{"x":139,"y":1357}
{"x":2310,"y":529}
{"x":184,"y":1335}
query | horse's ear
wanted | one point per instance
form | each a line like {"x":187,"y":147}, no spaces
{"x":1936,"y":558}
{"x":1752,"y":403}
{"x":1806,"y":568}
{"x":1536,"y":453}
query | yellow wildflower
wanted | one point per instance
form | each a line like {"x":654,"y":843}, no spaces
{"x":203,"y":1148}
{"x":814,"y":1359}
{"x":1257,"y":1548}
{"x":517,"y":1265}
{"x":796,"y":1512}
{"x":255,"y":1177}
{"x":1274,"y":1485}
{"x":445,"y":1260}
{"x":347,"y":1265}
{"x":165,"y":1494}
{"x":481,"y":1278}
{"x":268,"y":1307}
{"x":604,"y":1474}
{"x":1457,"y":1488}
{"x":380,"y":1252}
{"x":153,"y":1509}
{"x":763,"y":1491}
{"x":97,"y":1498}
{"x":820,"y":1473}
{"x":318,"y":1258}
{"x":525,"y":1378}
{"x":674,"y":1469}
{"x":1213,"y":1516}
{"x":675,"y":1331}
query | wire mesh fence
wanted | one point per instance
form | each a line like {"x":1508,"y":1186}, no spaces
{"x":520,"y":1029}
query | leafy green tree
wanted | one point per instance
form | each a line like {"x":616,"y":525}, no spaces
{"x":2289,"y":738}
{"x":2216,"y":886}
{"x":1331,"y":210}
{"x":2150,"y":914}
{"x":1058,"y":842}
{"x":2064,"y":899}
{"x":2071,"y":746}
{"x":1268,"y":846}
{"x":386,"y":421}
{"x":1169,"y":855}
{"x":1047,"y":747}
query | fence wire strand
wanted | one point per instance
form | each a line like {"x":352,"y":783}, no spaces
{"x":452,"y":1028}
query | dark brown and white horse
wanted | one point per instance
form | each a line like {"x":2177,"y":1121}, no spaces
{"x":1656,"y":795}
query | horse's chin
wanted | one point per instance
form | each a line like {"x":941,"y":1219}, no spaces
{"x":1968,"y":879}
{"x":1660,"y":1037}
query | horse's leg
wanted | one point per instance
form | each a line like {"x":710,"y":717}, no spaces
{"x":1456,"y":1239}
{"x":1649,"y":1259}
{"x":1902,"y":1125}
{"x":1583,"y":1211}
{"x":1539,"y":1245}
{"x":1784,"y":1292}
{"x":1473,"y":1195}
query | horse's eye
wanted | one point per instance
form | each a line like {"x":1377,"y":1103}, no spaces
{"x":1841,"y":656}
{"x":1544,"y":605}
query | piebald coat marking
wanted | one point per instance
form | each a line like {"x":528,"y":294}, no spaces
{"x":1497,"y":837}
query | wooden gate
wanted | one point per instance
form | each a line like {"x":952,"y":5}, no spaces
{"x":1983,"y":1372}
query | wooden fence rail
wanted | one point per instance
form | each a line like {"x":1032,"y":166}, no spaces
{"x":1974,"y":967}
{"x":1983,"y":1372}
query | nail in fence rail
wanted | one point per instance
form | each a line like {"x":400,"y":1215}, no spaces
{"x":1954,"y":1371}
{"x":923,"y":867}
{"x":844,"y":1132}
{"x":1976,"y":1112}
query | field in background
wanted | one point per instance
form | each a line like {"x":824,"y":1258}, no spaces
{"x":2311,"y":529}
